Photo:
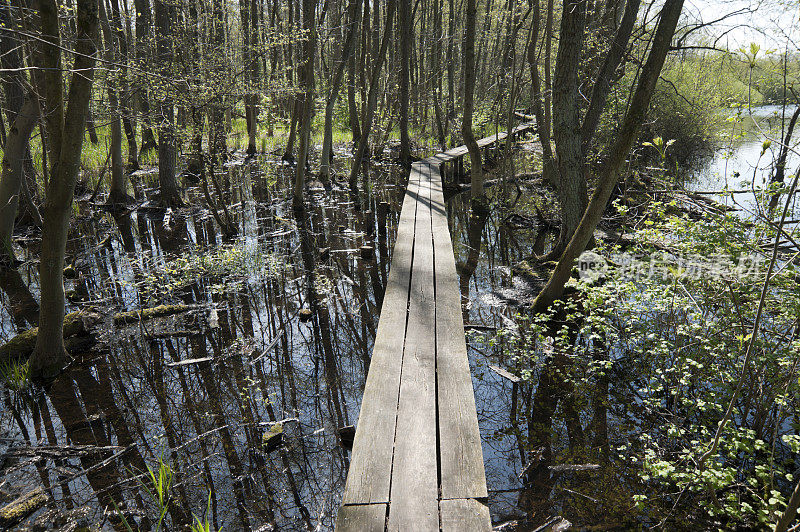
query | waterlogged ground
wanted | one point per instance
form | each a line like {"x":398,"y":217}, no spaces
{"x":239,"y":400}
{"x":241,"y":405}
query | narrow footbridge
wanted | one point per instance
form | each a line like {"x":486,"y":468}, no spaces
{"x":417,"y":463}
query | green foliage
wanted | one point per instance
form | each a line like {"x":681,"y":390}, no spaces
{"x":202,"y":524}
{"x":160,"y":482}
{"x":15,"y":374}
{"x":685,"y":106}
{"x":224,"y":268}
{"x":157,"y":485}
{"x":667,"y":340}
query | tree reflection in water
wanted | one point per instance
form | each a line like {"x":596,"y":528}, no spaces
{"x":200,"y":390}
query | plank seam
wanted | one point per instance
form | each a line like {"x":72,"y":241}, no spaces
{"x":435,"y":354}
{"x":403,"y":348}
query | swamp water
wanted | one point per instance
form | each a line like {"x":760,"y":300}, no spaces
{"x":744,"y":164}
{"x":246,"y":403}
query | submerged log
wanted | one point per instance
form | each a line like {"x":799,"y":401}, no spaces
{"x":133,"y":316}
{"x":78,"y":329}
{"x":21,"y":346}
{"x":14,"y":512}
{"x":273,"y":438}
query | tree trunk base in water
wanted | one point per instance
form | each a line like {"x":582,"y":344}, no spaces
{"x":480,"y":206}
{"x":48,"y":363}
{"x":118,"y":201}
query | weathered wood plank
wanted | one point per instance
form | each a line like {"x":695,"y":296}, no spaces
{"x":461,"y":151}
{"x":461,"y":456}
{"x":414,"y":495}
{"x":361,"y":518}
{"x":368,"y":478}
{"x":464,"y":515}
{"x":420,"y":337}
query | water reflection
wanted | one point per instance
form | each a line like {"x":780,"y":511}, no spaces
{"x":204,"y":392}
{"x":745,"y":163}
{"x":247,"y":394}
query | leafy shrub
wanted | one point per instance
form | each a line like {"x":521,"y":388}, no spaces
{"x":656,"y":353}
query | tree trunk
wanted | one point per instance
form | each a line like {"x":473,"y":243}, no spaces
{"x":248,"y":12}
{"x":354,"y":20}
{"x":790,"y":512}
{"x":125,"y":91}
{"x":780,"y":164}
{"x":608,"y":175}
{"x":548,"y":80}
{"x":143,"y":51}
{"x":23,"y":114}
{"x":217,"y":141}
{"x":373,"y":95}
{"x":476,"y":168}
{"x":49,"y":354}
{"x":14,"y":152}
{"x":404,"y":33}
{"x":613,"y":59}
{"x":118,"y":193}
{"x":306,"y":101}
{"x":451,"y":35}
{"x":167,"y":142}
{"x":572,"y":194}
{"x":352,"y":108}
{"x":542,"y":121}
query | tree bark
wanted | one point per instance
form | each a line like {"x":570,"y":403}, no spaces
{"x":790,"y":512}
{"x":476,"y":168}
{"x":306,"y":102}
{"x":23,"y":114}
{"x":247,"y":10}
{"x":404,"y":33}
{"x":167,"y":142}
{"x":143,"y":51}
{"x":354,"y":21}
{"x":542,"y":121}
{"x":608,"y":174}
{"x":124,"y":90}
{"x":118,"y":193}
{"x":373,"y":95}
{"x":49,"y":354}
{"x":14,"y":152}
{"x":602,"y":85}
{"x":572,"y":195}
{"x":780,"y":164}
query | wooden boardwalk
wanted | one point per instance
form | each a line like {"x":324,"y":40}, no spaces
{"x":417,"y":463}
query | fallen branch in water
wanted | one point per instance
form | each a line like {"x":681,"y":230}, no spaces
{"x":79,"y":326}
{"x":14,"y":512}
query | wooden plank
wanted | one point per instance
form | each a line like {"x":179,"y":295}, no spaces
{"x":461,"y":455}
{"x":504,"y":373}
{"x":460,"y":515}
{"x":414,"y":495}
{"x":368,"y":478}
{"x":395,"y":448}
{"x":461,"y":151}
{"x":361,"y":518}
